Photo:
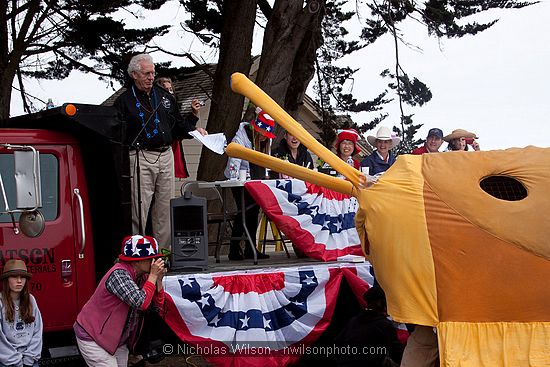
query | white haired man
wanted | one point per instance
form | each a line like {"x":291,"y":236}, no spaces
{"x":152,"y":121}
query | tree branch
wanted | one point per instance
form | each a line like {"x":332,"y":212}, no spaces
{"x":30,"y":95}
{"x":26,"y":107}
{"x":17,"y":10}
{"x":265,"y":8}
{"x":19,"y":43}
{"x":186,"y":54}
{"x":84,"y":66}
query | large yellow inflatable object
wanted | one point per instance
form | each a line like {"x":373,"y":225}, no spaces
{"x":447,"y":253}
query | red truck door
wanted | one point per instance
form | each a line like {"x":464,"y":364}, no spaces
{"x":53,"y":257}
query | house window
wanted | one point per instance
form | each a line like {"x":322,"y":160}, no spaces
{"x":504,"y":188}
{"x":50,"y":186}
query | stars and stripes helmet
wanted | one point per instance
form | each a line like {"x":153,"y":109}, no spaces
{"x":264,"y":124}
{"x":138,"y":247}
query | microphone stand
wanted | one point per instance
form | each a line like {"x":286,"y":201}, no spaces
{"x":135,"y":144}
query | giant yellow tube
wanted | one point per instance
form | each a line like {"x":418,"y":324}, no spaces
{"x":242,"y":85}
{"x":293,"y":170}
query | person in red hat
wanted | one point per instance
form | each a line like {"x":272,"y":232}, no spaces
{"x":109,"y":323}
{"x":21,"y":324}
{"x":346,"y":146}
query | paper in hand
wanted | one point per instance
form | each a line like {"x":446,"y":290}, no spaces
{"x":214,"y":142}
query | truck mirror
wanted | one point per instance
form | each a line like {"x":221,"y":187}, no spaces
{"x":32,"y":223}
{"x":27,"y":179}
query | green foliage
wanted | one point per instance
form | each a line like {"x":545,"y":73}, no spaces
{"x":408,"y":142}
{"x":80,"y":35}
{"x":332,"y":79}
{"x":206,"y":19}
{"x":413,"y":92}
{"x":68,"y":35}
{"x":442,"y":18}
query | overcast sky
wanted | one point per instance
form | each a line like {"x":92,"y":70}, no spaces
{"x":494,"y":84}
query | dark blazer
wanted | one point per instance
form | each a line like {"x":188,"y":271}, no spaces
{"x":377,"y":164}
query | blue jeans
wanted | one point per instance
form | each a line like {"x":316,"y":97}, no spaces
{"x":34,"y":365}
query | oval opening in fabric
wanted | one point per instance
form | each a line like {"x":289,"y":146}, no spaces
{"x":504,"y":188}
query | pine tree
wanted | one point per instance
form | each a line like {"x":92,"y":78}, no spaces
{"x":441,"y":18}
{"x":48,"y":39}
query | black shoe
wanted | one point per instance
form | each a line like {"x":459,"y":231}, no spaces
{"x":261,"y":255}
{"x":236,"y":256}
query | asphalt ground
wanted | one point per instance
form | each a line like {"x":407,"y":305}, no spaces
{"x":181,"y":361}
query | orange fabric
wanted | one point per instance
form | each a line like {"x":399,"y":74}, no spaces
{"x":454,"y":177}
{"x":480,"y":277}
{"x":399,"y":245}
{"x":502,"y":344}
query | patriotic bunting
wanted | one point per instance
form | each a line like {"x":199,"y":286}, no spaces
{"x":262,"y":318}
{"x":318,"y":221}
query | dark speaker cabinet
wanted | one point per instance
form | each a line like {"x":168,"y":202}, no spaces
{"x":189,"y":233}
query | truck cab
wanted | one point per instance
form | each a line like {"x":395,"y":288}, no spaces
{"x":73,"y":235}
{"x":61,"y":257}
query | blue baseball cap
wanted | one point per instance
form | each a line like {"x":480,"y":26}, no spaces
{"x":435,"y":132}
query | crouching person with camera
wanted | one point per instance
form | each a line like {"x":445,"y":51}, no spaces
{"x":110,"y":322}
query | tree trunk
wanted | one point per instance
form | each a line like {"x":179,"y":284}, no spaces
{"x":10,"y":58}
{"x":226,"y":110}
{"x":5,"y":84}
{"x":291,"y":39}
{"x":5,"y":97}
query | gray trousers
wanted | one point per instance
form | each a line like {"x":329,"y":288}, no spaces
{"x":157,"y":180}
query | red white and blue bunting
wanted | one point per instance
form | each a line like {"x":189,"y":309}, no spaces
{"x":318,"y":221}
{"x":258,"y":318}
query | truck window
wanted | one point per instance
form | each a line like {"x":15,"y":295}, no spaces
{"x":50,"y":184}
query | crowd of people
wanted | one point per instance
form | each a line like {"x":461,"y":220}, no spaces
{"x":159,"y":150}
{"x":155,"y":128}
{"x":109,"y":323}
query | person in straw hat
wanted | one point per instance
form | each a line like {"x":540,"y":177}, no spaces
{"x":459,"y":139}
{"x":109,"y":323}
{"x":21,"y":324}
{"x":382,"y":158}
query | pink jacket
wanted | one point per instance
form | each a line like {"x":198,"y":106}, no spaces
{"x":104,"y":316}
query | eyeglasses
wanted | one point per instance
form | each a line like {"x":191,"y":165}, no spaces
{"x":149,"y":73}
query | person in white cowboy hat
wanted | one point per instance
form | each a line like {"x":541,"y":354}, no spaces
{"x":21,"y":323}
{"x":459,"y":139}
{"x":110,"y":322}
{"x":382,"y":158}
